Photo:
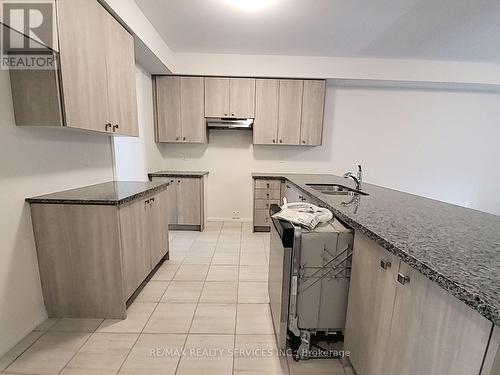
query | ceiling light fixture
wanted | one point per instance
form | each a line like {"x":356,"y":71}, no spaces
{"x":251,"y":5}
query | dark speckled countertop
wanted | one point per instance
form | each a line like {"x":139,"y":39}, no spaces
{"x":109,"y":193}
{"x":456,"y":247}
{"x":177,"y":174}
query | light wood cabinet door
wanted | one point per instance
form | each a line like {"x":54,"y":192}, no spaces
{"x":432,"y":332}
{"x":194,"y":129}
{"x":83,"y":64}
{"x":168,"y":109}
{"x":313,"y":103}
{"x":492,"y":360}
{"x":242,"y":97}
{"x":290,"y":111}
{"x":372,"y":292}
{"x":189,"y":201}
{"x":158,"y":227}
{"x":120,"y":65}
{"x":172,"y":201}
{"x":135,"y":241}
{"x":217,"y":97}
{"x":265,"y":128}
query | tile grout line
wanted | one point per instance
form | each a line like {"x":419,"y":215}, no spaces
{"x":237,"y":299}
{"x":194,"y":314}
{"x":147,"y":321}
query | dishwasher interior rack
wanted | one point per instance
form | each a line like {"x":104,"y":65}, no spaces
{"x":314,"y":268}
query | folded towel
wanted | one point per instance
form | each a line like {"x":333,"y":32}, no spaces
{"x":304,"y":214}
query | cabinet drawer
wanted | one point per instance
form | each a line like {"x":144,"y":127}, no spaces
{"x":261,"y":218}
{"x":267,"y":194}
{"x":268,"y":184}
{"x":263,"y":204}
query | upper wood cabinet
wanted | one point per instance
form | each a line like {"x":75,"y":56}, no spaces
{"x":265,"y":129}
{"x":179,"y":113}
{"x":81,"y":27}
{"x":313,"y":104}
{"x":401,"y":323}
{"x":285,"y":111}
{"x":94,"y":87}
{"x":289,"y":112}
{"x":120,"y":68}
{"x":229,"y":97}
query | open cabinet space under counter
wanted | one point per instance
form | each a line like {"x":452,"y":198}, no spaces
{"x":97,"y":244}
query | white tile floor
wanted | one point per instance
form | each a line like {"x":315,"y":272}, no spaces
{"x":205,"y":311}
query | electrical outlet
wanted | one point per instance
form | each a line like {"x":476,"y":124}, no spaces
{"x":236,"y":214}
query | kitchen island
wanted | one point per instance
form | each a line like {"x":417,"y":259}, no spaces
{"x":97,"y":244}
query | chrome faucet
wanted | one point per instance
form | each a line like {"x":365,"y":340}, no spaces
{"x":357,"y":179}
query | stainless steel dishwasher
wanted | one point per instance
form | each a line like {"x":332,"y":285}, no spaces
{"x":308,"y":279}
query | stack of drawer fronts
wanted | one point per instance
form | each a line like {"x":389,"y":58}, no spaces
{"x":266,"y":192}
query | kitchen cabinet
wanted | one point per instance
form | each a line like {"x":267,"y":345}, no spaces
{"x":265,"y":129}
{"x":491,"y":364}
{"x":372,"y":291}
{"x":93,"y":257}
{"x":266,"y":192}
{"x":120,"y":69}
{"x":186,"y":202}
{"x":313,"y":103}
{"x":290,"y":112}
{"x":94,"y":87}
{"x":179,"y":109}
{"x":399,"y":322}
{"x":229,"y":97}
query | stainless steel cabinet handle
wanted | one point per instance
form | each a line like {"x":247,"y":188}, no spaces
{"x":403,"y":279}
{"x":115,"y":127}
{"x":152,"y":200}
{"x":179,"y":181}
{"x":146,"y":201}
{"x":108,"y":125}
{"x":385,"y":264}
{"x":274,"y":141}
{"x":183,"y":138}
{"x":281,"y":141}
{"x":267,"y":186}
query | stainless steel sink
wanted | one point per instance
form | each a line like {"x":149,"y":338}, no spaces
{"x":334,"y":189}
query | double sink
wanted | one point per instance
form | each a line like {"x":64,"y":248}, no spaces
{"x":334,"y":189}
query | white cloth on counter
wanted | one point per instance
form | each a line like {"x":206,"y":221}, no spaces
{"x":304,"y":214}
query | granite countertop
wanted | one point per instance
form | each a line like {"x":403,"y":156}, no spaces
{"x":456,"y":247}
{"x":109,"y":193}
{"x":178,"y":174}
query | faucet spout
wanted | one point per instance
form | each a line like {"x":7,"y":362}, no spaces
{"x":357,"y":179}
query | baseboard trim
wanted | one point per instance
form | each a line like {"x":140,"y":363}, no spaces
{"x":243,"y":220}
{"x":15,"y":339}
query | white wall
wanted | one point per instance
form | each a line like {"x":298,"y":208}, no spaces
{"x":136,"y":157}
{"x":34,"y":162}
{"x":439,"y":144}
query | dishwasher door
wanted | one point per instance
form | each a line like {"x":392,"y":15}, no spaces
{"x":280,"y":265}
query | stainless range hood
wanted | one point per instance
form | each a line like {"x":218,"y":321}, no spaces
{"x":230,"y":123}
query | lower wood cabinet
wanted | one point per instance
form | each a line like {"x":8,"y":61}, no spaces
{"x":186,"y":202}
{"x":144,"y":229}
{"x":266,"y":192}
{"x":92,"y":258}
{"x":401,"y":323}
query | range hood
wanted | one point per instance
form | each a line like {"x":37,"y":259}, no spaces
{"x":229,"y":123}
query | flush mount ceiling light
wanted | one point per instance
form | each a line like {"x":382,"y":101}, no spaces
{"x":251,"y":5}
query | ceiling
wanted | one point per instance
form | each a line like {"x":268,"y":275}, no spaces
{"x":457,"y":30}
